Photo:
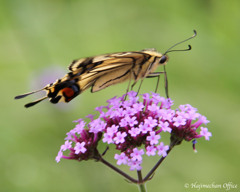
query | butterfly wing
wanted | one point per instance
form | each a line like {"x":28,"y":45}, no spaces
{"x":106,"y":70}
{"x":106,"y":78}
{"x":98,"y":73}
{"x":90,"y":63}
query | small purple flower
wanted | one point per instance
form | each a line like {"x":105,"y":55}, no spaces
{"x":153,"y":138}
{"x":79,"y":148}
{"x":132,"y":94}
{"x":138,"y":107}
{"x":193,"y":115}
{"x":136,"y":155}
{"x":162,"y":149}
{"x":134,"y":132}
{"x":124,"y":122}
{"x":99,"y":109}
{"x":97,"y":125}
{"x":121,"y":159}
{"x":120,"y":137}
{"x":166,"y":114}
{"x":131,"y":120}
{"x":119,"y":112}
{"x":135,"y":165}
{"x":153,"y":107}
{"x":165,"y":126}
{"x":108,"y":137}
{"x":115,"y":101}
{"x":90,"y":116}
{"x":151,"y":150}
{"x":201,"y":120}
{"x":150,"y":122}
{"x":204,"y":132}
{"x":67,"y":145}
{"x":179,"y":120}
{"x":186,"y":108}
{"x":113,"y":129}
{"x":79,"y":127}
{"x":129,"y":111}
{"x":144,"y":128}
{"x":167,"y":103}
{"x":70,"y":134}
{"x":156,"y":98}
{"x":59,"y":156}
{"x":146,"y":98}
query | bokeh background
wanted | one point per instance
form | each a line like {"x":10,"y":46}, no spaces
{"x":39,"y":39}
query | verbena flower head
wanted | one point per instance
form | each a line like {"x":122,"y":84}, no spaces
{"x":134,"y":127}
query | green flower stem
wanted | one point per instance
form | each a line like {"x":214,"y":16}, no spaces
{"x":142,"y":187}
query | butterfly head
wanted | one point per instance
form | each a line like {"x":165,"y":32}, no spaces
{"x":163,"y":60}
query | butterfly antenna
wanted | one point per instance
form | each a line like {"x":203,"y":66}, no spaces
{"x":189,"y":46}
{"x":35,"y":102}
{"x":26,"y":94}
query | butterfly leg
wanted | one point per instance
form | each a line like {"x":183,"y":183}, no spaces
{"x":133,"y":85}
{"x":125,"y":97}
{"x":166,"y":81}
{"x":157,"y":74}
{"x":140,"y":86}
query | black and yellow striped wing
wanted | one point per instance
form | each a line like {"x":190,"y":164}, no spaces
{"x":100,"y":72}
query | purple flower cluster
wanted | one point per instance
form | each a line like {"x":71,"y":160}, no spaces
{"x":134,"y":127}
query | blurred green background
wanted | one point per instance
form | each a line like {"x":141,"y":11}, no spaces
{"x":39,"y":36}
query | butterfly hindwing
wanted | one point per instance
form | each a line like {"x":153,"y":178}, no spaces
{"x":113,"y":77}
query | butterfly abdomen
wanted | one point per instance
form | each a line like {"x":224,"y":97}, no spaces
{"x":63,"y":91}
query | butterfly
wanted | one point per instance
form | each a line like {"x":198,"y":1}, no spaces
{"x":102,"y":71}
